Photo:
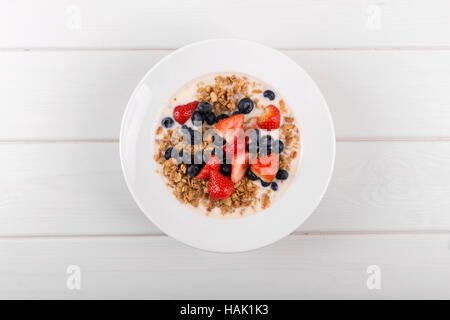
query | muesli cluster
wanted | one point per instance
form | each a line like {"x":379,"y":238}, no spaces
{"x":228,"y":144}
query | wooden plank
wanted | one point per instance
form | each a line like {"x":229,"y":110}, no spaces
{"x":171,"y":23}
{"x":82,"y":95}
{"x":77,"y":188}
{"x":298,"y":267}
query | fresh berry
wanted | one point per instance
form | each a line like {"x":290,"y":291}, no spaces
{"x":210,"y":118}
{"x":181,"y":157}
{"x":204,"y":107}
{"x":266,"y":167}
{"x":219,"y":186}
{"x":221,"y":117}
{"x":237,"y":146}
{"x":168,"y":153}
{"x":197,"y":118}
{"x":278,"y":146}
{"x":218,"y":140}
{"x":269,"y":95}
{"x":253,"y":141}
{"x":219,"y":153}
{"x":228,"y":149}
{"x":225,"y":169}
{"x":251,"y":175}
{"x":270,"y":119}
{"x":265,"y":145}
{"x":265,"y":184}
{"x":183,"y":113}
{"x":239,"y":166}
{"x":230,"y":127}
{"x":245,"y":105}
{"x":194,"y":169}
{"x":167,"y":122}
{"x":188,"y":134}
{"x":213,"y":164}
{"x":274,"y":186}
{"x":282,"y":174}
{"x":236,"y":112}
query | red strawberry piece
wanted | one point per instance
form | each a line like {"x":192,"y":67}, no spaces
{"x":184,"y":112}
{"x":266,"y":167}
{"x":239,"y":166}
{"x":230,"y":127}
{"x":213,"y":164}
{"x":238,"y":145}
{"x":219,"y":186}
{"x":270,"y":119}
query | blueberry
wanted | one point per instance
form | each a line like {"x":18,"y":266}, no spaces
{"x":266,"y":141}
{"x":269,"y":94}
{"x":168,"y":153}
{"x":265,"y":145}
{"x":186,"y":131}
{"x":204,"y":107}
{"x":274,"y":186}
{"x":282,"y":174}
{"x":236,"y":112}
{"x":225,"y":169}
{"x":194,"y":169}
{"x":198,"y":157}
{"x":251,"y":175}
{"x":197,"y":118}
{"x":252,"y":146}
{"x":218,"y":140}
{"x":210,"y":118}
{"x":278,"y":146}
{"x":167,"y":122}
{"x":245,"y":105}
{"x":222,"y":116}
{"x":265,"y":184}
{"x":181,"y":157}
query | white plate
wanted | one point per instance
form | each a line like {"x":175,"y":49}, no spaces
{"x":141,"y":119}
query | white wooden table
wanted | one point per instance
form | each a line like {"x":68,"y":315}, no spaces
{"x":67,"y":69}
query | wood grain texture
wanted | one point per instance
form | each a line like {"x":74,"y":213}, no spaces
{"x":299,"y":267}
{"x":82,"y":94}
{"x":78,"y":189}
{"x":171,"y":23}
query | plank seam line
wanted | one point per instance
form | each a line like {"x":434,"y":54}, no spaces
{"x":339,"y":139}
{"x":112,"y":48}
{"x":295,"y":234}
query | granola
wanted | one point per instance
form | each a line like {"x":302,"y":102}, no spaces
{"x":227,"y":145}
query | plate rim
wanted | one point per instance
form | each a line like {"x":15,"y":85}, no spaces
{"x":202,"y":42}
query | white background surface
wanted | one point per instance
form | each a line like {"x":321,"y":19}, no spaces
{"x":63,"y":201}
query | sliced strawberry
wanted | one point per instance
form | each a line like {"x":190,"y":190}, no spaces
{"x":270,"y":119}
{"x":184,"y":112}
{"x":213,"y":164}
{"x":239,"y":166}
{"x":238,"y":145}
{"x":219,"y":186}
{"x":266,"y":167}
{"x":230,"y":127}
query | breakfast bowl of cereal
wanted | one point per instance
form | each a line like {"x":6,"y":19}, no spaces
{"x":227,"y":145}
